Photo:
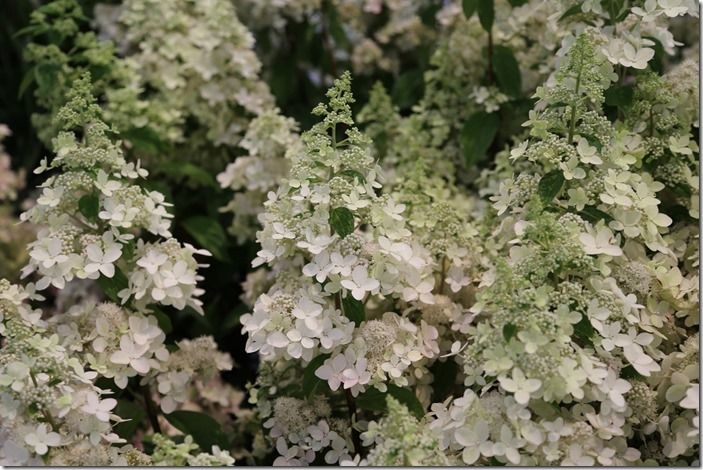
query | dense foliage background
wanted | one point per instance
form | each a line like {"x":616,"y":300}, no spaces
{"x":470,"y":109}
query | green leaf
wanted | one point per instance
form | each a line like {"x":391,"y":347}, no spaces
{"x":517,"y":3}
{"x":27,"y":80}
{"x":311,"y":382}
{"x":128,"y":251}
{"x":209,"y":234}
{"x":507,"y":71}
{"x":353,"y":309}
{"x":46,"y":74}
{"x":128,"y":410}
{"x":584,"y":331}
{"x":164,"y":320}
{"x":477,"y":134}
{"x":445,"y":374}
{"x":112,"y":286}
{"x":617,"y":10}
{"x":509,"y":331}
{"x":620,"y":96}
{"x":657,"y":62}
{"x":408,"y":398}
{"x":353,"y":174}
{"x":375,"y":400}
{"x":486,"y":14}
{"x":550,"y":185}
{"x":574,"y":10}
{"x":593,"y":215}
{"x":191,"y":173}
{"x":469,"y":7}
{"x":145,"y":140}
{"x":342,"y":221}
{"x":205,"y":430}
{"x":89,"y":206}
{"x":372,"y":399}
{"x":408,"y":88}
{"x":629,"y":373}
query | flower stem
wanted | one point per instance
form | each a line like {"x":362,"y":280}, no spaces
{"x":572,"y":125}
{"x":490,"y":57}
{"x":151,"y":409}
{"x":47,"y":415}
{"x":356,"y":439}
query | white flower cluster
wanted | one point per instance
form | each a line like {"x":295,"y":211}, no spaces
{"x":92,"y":214}
{"x":405,"y":311}
{"x":558,"y":323}
{"x":91,"y":211}
{"x":197,"y":58}
{"x":588,"y":298}
{"x":300,"y":429}
{"x":253,"y":175}
{"x":165,"y":273}
{"x":169,"y":453}
{"x":460,"y":82}
{"x":48,"y":397}
{"x":354,"y":250}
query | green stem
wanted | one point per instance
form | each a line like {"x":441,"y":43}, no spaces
{"x":356,"y":439}
{"x":443,"y":274}
{"x":572,"y":125}
{"x":490,"y":57}
{"x":151,"y":409}
{"x":47,"y":416}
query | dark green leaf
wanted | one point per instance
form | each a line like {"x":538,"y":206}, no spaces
{"x":620,"y":96}
{"x":89,"y":206}
{"x":408,"y":398}
{"x":574,"y":10}
{"x":469,"y":7}
{"x":657,"y":62}
{"x":445,"y":374}
{"x":128,"y":410}
{"x":408,"y":88}
{"x":593,"y":215}
{"x":507,"y":71}
{"x":477,"y":134}
{"x":191,"y":173}
{"x":681,"y":190}
{"x":163,"y":319}
{"x":336,"y":26}
{"x":583,"y":331}
{"x":372,"y":399}
{"x":375,"y":400}
{"x":550,"y":185}
{"x":128,"y":251}
{"x":353,"y":174}
{"x":311,"y":382}
{"x":617,"y":10}
{"x":509,"y":331}
{"x":629,"y":373}
{"x":112,"y":286}
{"x":486,"y":14}
{"x":46,"y":74}
{"x":205,"y":430}
{"x":353,"y":309}
{"x":27,"y":80}
{"x":145,"y":139}
{"x":209,"y":234}
{"x":342,"y":221}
